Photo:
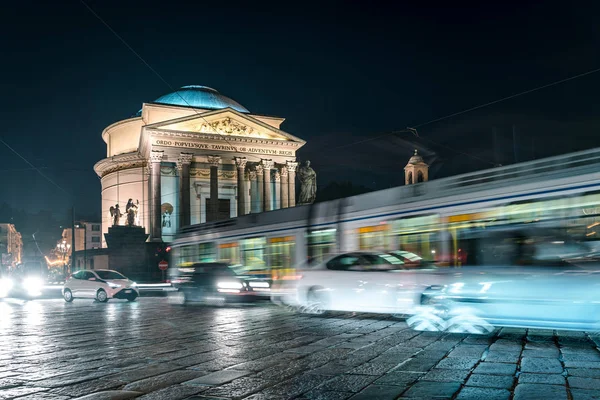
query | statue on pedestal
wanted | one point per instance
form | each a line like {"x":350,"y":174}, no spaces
{"x":131,"y":210}
{"x":166,"y":219}
{"x":116,"y":214}
{"x":308,"y":184}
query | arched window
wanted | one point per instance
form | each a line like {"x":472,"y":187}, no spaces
{"x":410,"y":179}
{"x":420,"y":177}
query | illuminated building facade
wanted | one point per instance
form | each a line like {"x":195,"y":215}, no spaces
{"x":195,"y":156}
{"x":11,"y":245}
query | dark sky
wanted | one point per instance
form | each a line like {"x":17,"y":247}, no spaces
{"x":339,"y":73}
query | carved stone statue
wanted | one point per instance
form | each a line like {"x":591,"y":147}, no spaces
{"x":166,"y":220}
{"x":131,"y":210}
{"x":308,"y":184}
{"x":116,"y":214}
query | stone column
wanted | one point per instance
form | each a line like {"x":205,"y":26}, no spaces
{"x":183,"y":167}
{"x":291,"y":167}
{"x":155,"y":195}
{"x":267,"y":166}
{"x":214,"y":162}
{"x":284,"y":187}
{"x":254,"y":201}
{"x":240,"y":163}
{"x":260,"y":184}
{"x":277,"y":191}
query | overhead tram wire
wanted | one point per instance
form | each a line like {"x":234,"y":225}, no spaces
{"x":469,"y":110}
{"x":160,"y":76}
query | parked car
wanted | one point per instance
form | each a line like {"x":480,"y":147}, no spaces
{"x":99,"y":284}
{"x":356,"y":281}
{"x":214,"y":283}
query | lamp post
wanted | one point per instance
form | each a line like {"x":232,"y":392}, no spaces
{"x":63,"y":248}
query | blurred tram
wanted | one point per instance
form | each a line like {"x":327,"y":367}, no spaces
{"x":456,"y":221}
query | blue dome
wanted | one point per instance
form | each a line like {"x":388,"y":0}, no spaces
{"x":200,"y":97}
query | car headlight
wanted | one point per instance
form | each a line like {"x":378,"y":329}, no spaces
{"x":113,"y":285}
{"x":133,"y":284}
{"x":32,"y":283}
{"x":259,"y":284}
{"x":229,"y":285}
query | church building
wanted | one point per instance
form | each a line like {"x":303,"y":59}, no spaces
{"x":195,"y":156}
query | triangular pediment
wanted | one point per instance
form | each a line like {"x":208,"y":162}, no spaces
{"x":226,"y":122}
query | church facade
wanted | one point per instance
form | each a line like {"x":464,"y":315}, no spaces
{"x":195,"y":156}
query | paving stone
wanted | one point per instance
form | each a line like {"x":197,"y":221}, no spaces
{"x":582,"y":364}
{"x":42,"y":396}
{"x":541,"y":365}
{"x":541,"y":353}
{"x":583,"y":356}
{"x":111,"y":395}
{"x":175,"y":392}
{"x":238,"y":388}
{"x":379,"y":392}
{"x":491,"y":381}
{"x":399,"y":378}
{"x":431,"y":390}
{"x":318,"y":394}
{"x":88,"y":387}
{"x":528,"y":391}
{"x":495,"y":368}
{"x":473,"y":351}
{"x":550,"y":379}
{"x":142,"y":373}
{"x":457,"y":363}
{"x":372,"y":369}
{"x":478,"y":393}
{"x":217,"y":378}
{"x":446,"y":375}
{"x":351,"y":383}
{"x":418,"y":364}
{"x":584,"y":372}
{"x":20,"y":391}
{"x":584,"y":394}
{"x":300,"y":384}
{"x":503,"y":356}
{"x":584,"y":383}
{"x":161,"y":381}
{"x":330,"y":369}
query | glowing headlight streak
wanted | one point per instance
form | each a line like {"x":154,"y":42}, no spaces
{"x":113,"y":285}
{"x":455,"y":287}
{"x":6,"y":285}
{"x":33,"y":286}
{"x":229,"y":285}
{"x":259,"y":284}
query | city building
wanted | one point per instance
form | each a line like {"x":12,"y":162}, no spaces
{"x":194,"y":156}
{"x":11,"y":245}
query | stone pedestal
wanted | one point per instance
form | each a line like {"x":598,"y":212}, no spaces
{"x":128,"y":252}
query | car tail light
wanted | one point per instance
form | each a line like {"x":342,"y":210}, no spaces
{"x":291,"y":277}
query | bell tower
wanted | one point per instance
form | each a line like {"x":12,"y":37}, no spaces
{"x":416,"y":171}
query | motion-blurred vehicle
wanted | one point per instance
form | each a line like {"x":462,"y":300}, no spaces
{"x":356,"y":281}
{"x":530,"y":279}
{"x":26,"y":281}
{"x":215,"y":284}
{"x":99,"y":284}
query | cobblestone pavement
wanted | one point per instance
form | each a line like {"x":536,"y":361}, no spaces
{"x":152,"y":350}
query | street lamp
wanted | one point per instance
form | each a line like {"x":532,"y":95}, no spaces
{"x":63,"y":248}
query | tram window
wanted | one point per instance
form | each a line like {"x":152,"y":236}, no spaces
{"x":419,"y":235}
{"x":320,"y":244}
{"x":229,"y":253}
{"x":281,"y":252}
{"x":253,"y":253}
{"x":198,"y":252}
{"x":373,"y":237}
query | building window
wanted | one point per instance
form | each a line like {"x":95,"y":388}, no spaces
{"x":420,"y":177}
{"x":96,"y":239}
{"x":96,"y":228}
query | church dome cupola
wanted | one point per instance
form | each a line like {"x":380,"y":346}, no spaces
{"x":416,"y":170}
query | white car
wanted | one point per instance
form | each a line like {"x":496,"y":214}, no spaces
{"x":358,"y":281}
{"x":99,"y":284}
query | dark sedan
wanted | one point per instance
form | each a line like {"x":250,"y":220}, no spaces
{"x":214,"y":283}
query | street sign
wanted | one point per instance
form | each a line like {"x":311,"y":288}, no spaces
{"x":163,"y":265}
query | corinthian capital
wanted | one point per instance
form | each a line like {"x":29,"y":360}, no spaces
{"x":214,"y":161}
{"x":259,"y":168}
{"x":156,"y":156}
{"x":252,"y":175}
{"x":283,"y":171}
{"x":291,"y":166}
{"x":240,"y":162}
{"x":185,"y":158}
{"x":267,"y":164}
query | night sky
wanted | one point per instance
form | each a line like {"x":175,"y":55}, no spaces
{"x":338,"y":72}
